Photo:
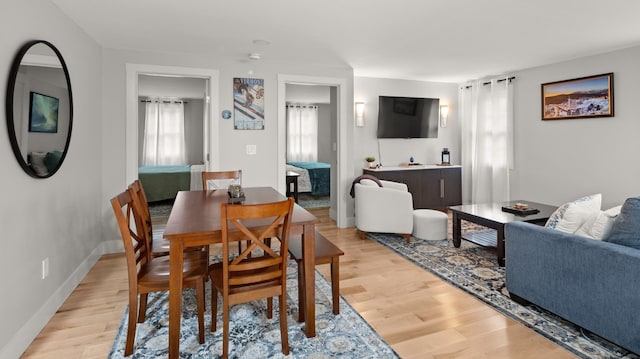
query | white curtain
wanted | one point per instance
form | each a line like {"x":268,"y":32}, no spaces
{"x":487,"y":139}
{"x":302,"y":133}
{"x":164,"y":142}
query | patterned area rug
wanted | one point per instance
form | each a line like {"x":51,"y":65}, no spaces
{"x":475,"y":270}
{"x":161,"y":208}
{"x":252,"y":335}
{"x":306,"y":200}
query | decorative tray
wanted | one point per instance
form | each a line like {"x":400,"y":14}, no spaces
{"x":236,"y":200}
{"x":520,"y":211}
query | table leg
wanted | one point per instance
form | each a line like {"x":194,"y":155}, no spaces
{"x":500,"y":245}
{"x":457,"y":229}
{"x":176,"y":260}
{"x":309,"y":258}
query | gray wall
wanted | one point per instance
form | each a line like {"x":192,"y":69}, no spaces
{"x":260,"y":169}
{"x":59,"y":218}
{"x":392,"y":152}
{"x":558,"y":161}
{"x":325,"y":140}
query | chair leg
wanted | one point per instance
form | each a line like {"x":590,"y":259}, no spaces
{"x":284,"y":334}
{"x":214,"y":306}
{"x":300,"y":292}
{"x":200,"y":305}
{"x":335,"y":284}
{"x":142,"y":311}
{"x":270,"y":307}
{"x":131,"y":329}
{"x":225,"y":328}
{"x":407,"y":237}
{"x":362,"y":234}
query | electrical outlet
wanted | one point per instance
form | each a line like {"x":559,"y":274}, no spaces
{"x":251,"y":149}
{"x":45,"y":268}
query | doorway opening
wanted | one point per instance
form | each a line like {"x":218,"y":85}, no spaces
{"x":136,"y":75}
{"x":338,"y":147}
{"x":311,"y":142}
{"x":171,"y":120}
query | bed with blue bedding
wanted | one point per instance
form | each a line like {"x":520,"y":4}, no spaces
{"x":319,"y":176}
{"x":163,"y":182}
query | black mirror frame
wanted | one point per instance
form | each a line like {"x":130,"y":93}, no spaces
{"x":15,"y":66}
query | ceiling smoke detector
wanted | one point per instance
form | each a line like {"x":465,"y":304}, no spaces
{"x":254,"y":56}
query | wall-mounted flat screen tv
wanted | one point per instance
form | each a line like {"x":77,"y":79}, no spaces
{"x":408,"y":117}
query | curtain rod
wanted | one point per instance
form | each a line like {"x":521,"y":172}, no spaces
{"x":292,"y":105}
{"x":489,"y":82}
{"x":163,"y":101}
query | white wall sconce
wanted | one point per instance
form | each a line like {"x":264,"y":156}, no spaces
{"x":444,"y":115}
{"x":359,"y":114}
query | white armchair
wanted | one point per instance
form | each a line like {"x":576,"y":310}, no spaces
{"x":386,"y":209}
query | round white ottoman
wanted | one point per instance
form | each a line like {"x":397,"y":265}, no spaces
{"x":430,"y":224}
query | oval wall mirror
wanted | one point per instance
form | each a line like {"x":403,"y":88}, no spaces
{"x":39,"y":108}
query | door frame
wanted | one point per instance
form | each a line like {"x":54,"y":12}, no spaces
{"x":341,"y":158}
{"x":211,"y":140}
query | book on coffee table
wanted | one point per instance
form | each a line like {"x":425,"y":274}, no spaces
{"x":520,"y":211}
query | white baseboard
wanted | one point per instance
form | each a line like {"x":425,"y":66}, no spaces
{"x":30,"y":330}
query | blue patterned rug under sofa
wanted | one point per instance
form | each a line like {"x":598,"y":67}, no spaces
{"x":474,"y":269}
{"x":252,"y":335}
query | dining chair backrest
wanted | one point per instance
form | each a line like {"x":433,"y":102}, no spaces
{"x":136,"y":246}
{"x":212,"y":180}
{"x":142,"y":207}
{"x":245,"y":269}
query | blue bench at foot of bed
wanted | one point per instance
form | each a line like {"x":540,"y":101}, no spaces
{"x":164,"y":181}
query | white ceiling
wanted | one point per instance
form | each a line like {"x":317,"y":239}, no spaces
{"x":429,"y":40}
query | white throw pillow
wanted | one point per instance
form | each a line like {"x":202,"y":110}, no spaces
{"x":570,"y":216}
{"x":599,"y":224}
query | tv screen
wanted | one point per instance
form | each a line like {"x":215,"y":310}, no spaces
{"x":408,"y":117}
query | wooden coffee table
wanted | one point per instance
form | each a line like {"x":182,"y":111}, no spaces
{"x":492,"y":216}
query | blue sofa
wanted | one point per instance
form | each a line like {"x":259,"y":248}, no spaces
{"x":594,"y":284}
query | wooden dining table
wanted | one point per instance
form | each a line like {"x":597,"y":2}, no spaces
{"x":195,"y":221}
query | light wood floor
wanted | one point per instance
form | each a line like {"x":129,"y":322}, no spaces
{"x":417,"y":313}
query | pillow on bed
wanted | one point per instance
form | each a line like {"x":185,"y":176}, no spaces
{"x":37,"y":163}
{"x":51,"y":160}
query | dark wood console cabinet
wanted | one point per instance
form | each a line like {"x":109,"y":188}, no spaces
{"x":431,"y":187}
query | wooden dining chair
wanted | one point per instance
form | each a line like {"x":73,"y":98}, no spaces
{"x":208,"y":183}
{"x":243,"y":278}
{"x":159,"y":246}
{"x":151,"y":274}
{"x":209,"y":179}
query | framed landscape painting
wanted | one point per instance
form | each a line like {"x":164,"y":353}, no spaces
{"x":583,"y":97}
{"x":43,"y":113}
